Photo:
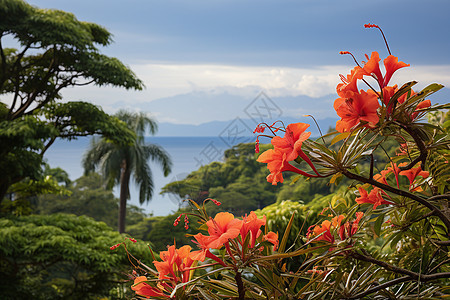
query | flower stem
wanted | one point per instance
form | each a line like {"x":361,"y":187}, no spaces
{"x":240,"y":285}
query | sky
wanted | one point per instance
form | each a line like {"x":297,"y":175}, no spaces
{"x":241,"y":48}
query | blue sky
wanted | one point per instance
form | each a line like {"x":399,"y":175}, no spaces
{"x":284,"y":48}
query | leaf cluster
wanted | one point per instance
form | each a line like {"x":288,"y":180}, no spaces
{"x":42,"y":52}
{"x":60,"y":255}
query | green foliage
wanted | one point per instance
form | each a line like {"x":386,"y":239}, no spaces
{"x":26,"y":192}
{"x":278,"y":216}
{"x":53,"y":51}
{"x":88,"y":197}
{"x":238,"y":183}
{"x":61,"y":256}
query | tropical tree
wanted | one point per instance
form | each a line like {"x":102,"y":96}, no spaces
{"x":118,"y":163}
{"x":43,"y":51}
{"x":63,"y":256}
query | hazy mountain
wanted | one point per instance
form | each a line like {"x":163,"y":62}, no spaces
{"x":221,"y":112}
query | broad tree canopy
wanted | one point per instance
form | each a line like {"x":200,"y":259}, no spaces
{"x":49,"y":51}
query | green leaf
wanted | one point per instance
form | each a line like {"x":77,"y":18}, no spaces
{"x":396,"y":238}
{"x":286,"y":234}
{"x":340,"y":137}
{"x":378,"y":223}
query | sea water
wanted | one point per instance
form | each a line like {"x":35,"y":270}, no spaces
{"x":187,"y":153}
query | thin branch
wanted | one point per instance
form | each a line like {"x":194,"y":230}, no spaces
{"x":47,"y":146}
{"x":440,"y":264}
{"x":49,"y":97}
{"x":385,"y":265}
{"x":32,"y":98}
{"x":422,"y":149}
{"x":85,"y":83}
{"x":441,"y":243}
{"x":371,"y":166}
{"x":392,"y":268}
{"x":380,"y":287}
{"x":439,"y":197}
{"x":400,"y":192}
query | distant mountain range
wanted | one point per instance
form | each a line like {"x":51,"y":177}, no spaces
{"x":230,"y":113}
{"x":224,"y":112}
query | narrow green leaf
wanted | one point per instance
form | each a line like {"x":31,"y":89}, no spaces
{"x":378,"y":223}
{"x":286,"y":234}
{"x":340,"y":137}
{"x":396,"y":239}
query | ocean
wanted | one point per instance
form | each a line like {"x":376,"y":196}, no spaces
{"x":187,"y":154}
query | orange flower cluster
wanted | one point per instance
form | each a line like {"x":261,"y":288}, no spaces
{"x":376,"y":195}
{"x":325,"y":231}
{"x":287,"y":149}
{"x":173,"y":269}
{"x":358,"y":106}
{"x":176,"y":264}
{"x":225,"y":227}
{"x":142,"y":288}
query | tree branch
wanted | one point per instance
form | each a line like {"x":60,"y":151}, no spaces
{"x":3,"y":57}
{"x":400,"y":192}
{"x":423,"y":151}
{"x":439,"y":197}
{"x":412,"y":275}
{"x":380,"y":287}
{"x":32,"y":97}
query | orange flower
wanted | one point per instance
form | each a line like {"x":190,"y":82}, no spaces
{"x":203,"y":242}
{"x":273,"y":238}
{"x":174,"y":261}
{"x":382,"y":176}
{"x":391,"y":65}
{"x":350,"y":83}
{"x":372,"y":67}
{"x":421,"y":105}
{"x":222,"y":228}
{"x":277,"y":163}
{"x":165,"y":267}
{"x":252,"y":225}
{"x":355,"y":108}
{"x":348,"y":229}
{"x":413,"y":173}
{"x":144,"y":289}
{"x":292,"y":141}
{"x":324,"y":230}
{"x":388,"y":92}
{"x":374,"y":197}
{"x":396,"y":170}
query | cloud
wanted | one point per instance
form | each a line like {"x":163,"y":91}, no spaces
{"x":164,"y":80}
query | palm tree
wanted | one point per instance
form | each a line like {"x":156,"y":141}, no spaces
{"x":119,"y":163}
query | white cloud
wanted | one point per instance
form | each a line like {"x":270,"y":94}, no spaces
{"x":424,"y":75}
{"x":170,"y":79}
{"x":167,"y":80}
